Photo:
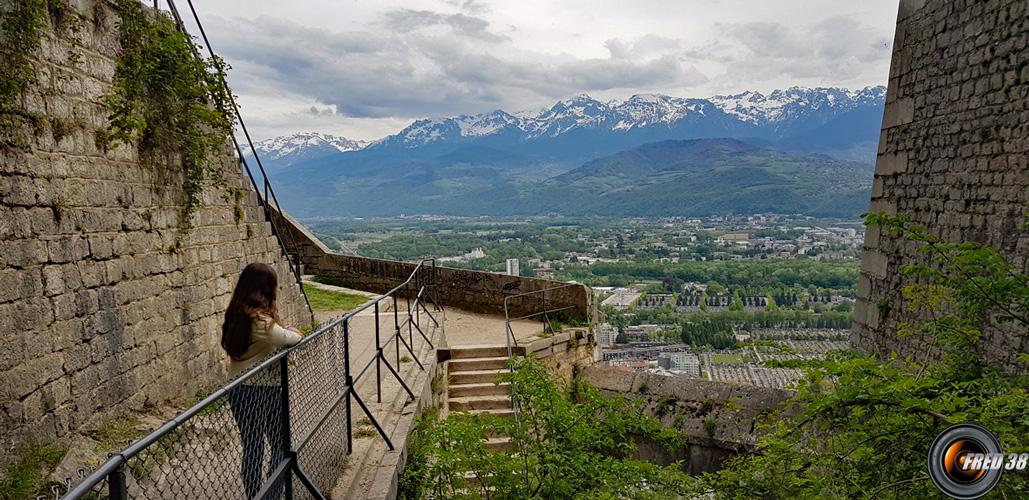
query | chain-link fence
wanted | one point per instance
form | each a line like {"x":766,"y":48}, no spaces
{"x":284,"y":427}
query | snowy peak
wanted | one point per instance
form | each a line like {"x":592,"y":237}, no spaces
{"x":304,"y":145}
{"x":432,"y":130}
{"x":779,"y":110}
{"x":795,"y":102}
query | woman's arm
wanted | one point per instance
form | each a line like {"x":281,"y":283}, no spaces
{"x":279,"y":336}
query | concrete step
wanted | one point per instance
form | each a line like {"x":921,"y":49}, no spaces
{"x":500,"y":443}
{"x":479,"y":403}
{"x":486,"y":389}
{"x":469,"y":365}
{"x":478,"y":351}
{"x":475,"y":376}
{"x":495,"y":412}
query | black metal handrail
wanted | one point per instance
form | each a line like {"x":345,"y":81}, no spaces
{"x":417,"y":290}
{"x":544,"y":312}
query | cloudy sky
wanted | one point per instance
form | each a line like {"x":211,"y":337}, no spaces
{"x":365,"y":69}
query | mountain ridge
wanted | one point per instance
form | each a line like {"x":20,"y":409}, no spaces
{"x":498,"y":159}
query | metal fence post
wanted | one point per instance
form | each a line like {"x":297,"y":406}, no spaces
{"x":378,"y":358}
{"x":350,"y":383}
{"x":396,"y":327}
{"x":116,"y":483}
{"x":410,"y":318}
{"x":287,"y":444}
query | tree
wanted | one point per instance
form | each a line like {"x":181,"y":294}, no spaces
{"x":861,"y":426}
{"x":569,"y":441}
{"x":737,"y":304}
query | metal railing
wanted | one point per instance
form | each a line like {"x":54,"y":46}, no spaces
{"x":542,"y":311}
{"x":296,"y":405}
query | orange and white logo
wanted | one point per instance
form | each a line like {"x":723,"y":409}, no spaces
{"x":966,"y":461}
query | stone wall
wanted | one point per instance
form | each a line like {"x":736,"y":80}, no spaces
{"x":564,"y":353}
{"x":474,"y":291}
{"x":952,"y":156}
{"x":98,"y":316}
{"x":717,"y":419}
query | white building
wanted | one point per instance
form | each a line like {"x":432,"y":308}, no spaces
{"x":682,"y":362}
{"x":512,"y":267}
{"x":606,"y":335}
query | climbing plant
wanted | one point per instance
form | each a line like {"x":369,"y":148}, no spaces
{"x":861,"y":426}
{"x":20,"y":34}
{"x":569,"y":442}
{"x":168,"y":101}
{"x":21,"y":28}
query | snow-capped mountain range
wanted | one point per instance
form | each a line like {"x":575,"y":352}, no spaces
{"x":513,"y":163}
{"x":288,"y":149}
{"x":775,"y":116}
{"x":778,"y":111}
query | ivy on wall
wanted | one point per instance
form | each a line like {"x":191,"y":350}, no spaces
{"x":168,"y":101}
{"x":20,"y":38}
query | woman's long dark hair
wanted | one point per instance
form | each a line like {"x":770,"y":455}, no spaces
{"x":254,"y":294}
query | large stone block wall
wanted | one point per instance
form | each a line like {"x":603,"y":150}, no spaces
{"x":717,"y":419}
{"x":474,"y":291}
{"x":952,"y":156}
{"x":98,"y":316}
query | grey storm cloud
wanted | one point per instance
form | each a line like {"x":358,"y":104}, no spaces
{"x":409,"y":70}
{"x":641,"y":47}
{"x":835,"y":49}
{"x":407,"y":20}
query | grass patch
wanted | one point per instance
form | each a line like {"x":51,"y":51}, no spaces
{"x":726,"y":359}
{"x":364,"y":428}
{"x":115,"y":435}
{"x":364,"y":432}
{"x":327,"y":300}
{"x":27,"y":477}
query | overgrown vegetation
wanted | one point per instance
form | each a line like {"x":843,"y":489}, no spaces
{"x":862,"y":427}
{"x":168,"y":101}
{"x":20,"y":35}
{"x":21,"y":30}
{"x":27,"y":476}
{"x":569,"y":441}
{"x":329,"y":300}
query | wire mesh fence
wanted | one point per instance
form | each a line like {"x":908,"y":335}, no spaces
{"x":283,"y":428}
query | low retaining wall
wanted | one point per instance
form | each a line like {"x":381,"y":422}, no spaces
{"x":474,"y":291}
{"x":572,"y":349}
{"x":718,"y":419}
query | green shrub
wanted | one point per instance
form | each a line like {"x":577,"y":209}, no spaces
{"x":862,"y":426}
{"x":569,"y":441}
{"x":168,"y":101}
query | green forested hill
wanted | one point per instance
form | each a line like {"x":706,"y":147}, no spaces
{"x":709,"y":177}
{"x":685,"y":178}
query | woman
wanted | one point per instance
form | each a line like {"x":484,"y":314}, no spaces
{"x":250,"y":333}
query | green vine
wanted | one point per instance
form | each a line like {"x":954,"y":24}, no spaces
{"x":20,"y":35}
{"x":168,"y":101}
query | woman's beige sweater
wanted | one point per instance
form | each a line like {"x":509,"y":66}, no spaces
{"x":265,"y":337}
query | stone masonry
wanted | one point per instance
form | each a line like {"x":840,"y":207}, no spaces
{"x":475,"y":291}
{"x":99,"y":316}
{"x":952,"y":156}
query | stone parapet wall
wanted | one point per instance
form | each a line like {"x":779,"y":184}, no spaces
{"x":475,"y":291}
{"x":100,"y":314}
{"x":952,"y":156}
{"x":565,"y":353}
{"x":719,"y":420}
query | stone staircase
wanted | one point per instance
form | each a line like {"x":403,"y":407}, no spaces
{"x":472,"y":386}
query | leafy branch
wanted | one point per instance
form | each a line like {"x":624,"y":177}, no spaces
{"x":168,"y":100}
{"x":858,"y":423}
